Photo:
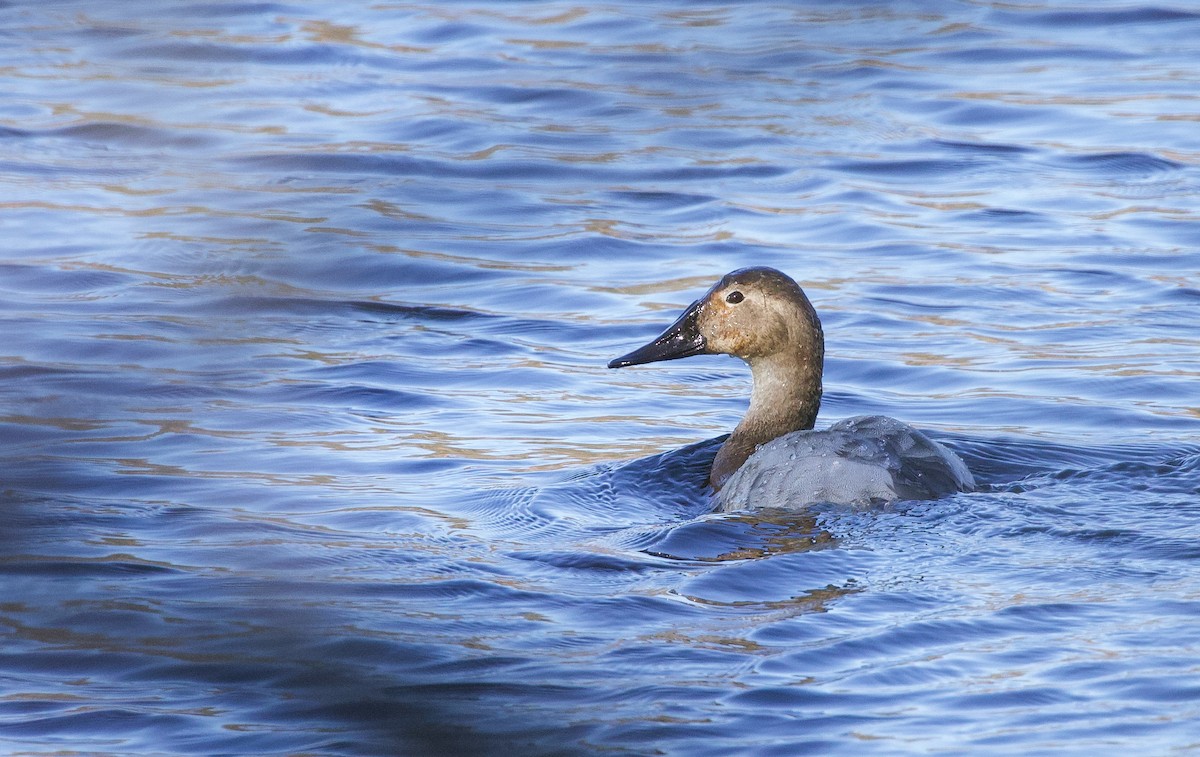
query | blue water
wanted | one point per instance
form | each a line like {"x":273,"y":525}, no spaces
{"x":309,"y":446}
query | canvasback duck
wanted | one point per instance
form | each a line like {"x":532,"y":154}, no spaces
{"x":773,"y":458}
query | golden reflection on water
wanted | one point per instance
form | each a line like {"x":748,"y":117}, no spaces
{"x":777,"y":532}
{"x":740,"y":617}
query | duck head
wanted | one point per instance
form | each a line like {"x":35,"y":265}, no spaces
{"x":751,"y":313}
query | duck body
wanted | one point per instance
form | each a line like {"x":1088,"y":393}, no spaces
{"x":773,"y":458}
{"x":861,"y":461}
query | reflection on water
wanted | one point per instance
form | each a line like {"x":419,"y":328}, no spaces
{"x":743,"y":536}
{"x":310,"y":447}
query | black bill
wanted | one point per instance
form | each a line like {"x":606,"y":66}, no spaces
{"x":681,"y":339}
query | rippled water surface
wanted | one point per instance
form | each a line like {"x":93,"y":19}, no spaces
{"x":310,"y":448}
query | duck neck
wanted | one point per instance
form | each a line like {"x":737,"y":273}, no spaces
{"x":785,"y":398}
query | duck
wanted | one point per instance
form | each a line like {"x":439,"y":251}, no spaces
{"x":775,"y":458}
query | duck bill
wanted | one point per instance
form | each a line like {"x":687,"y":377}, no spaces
{"x":681,"y":339}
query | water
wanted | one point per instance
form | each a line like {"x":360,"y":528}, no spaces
{"x":309,"y":447}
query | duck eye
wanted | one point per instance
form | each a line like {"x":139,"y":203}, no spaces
{"x":734,"y":298}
